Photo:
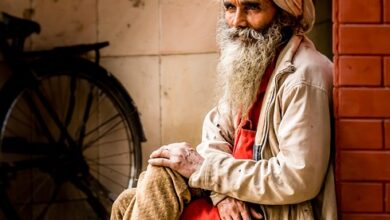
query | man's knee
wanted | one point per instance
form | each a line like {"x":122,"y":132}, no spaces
{"x":122,"y":202}
{"x":156,"y":169}
{"x":166,"y":179}
{"x":154,"y":172}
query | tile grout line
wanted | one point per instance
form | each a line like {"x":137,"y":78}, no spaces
{"x":97,"y":20}
{"x":382,"y":16}
{"x":160,"y":70}
{"x":162,"y":55}
{"x":384,"y":197}
{"x":383,"y":130}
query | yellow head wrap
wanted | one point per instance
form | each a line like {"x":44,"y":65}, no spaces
{"x":303,"y":9}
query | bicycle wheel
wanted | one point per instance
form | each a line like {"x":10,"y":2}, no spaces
{"x":70,"y":141}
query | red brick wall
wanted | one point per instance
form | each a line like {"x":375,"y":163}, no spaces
{"x":361,"y":46}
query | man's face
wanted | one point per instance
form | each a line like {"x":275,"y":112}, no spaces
{"x":248,"y":37}
{"x":254,"y":14}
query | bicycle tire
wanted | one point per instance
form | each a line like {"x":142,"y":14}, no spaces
{"x":50,"y":150}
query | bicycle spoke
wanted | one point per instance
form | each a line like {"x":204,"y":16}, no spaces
{"x":41,"y":121}
{"x":108,"y":178}
{"x":17,"y":107}
{"x":101,"y":125}
{"x":96,"y":186}
{"x":110,"y":156}
{"x":46,"y":94}
{"x":26,"y":191}
{"x":51,"y":200}
{"x":94,"y":202}
{"x":107,"y":132}
{"x":20,"y":121}
{"x":34,"y":193}
{"x":100,"y":99}
{"x":112,"y":142}
{"x":54,"y":116}
{"x":86,"y":116}
{"x":109,"y":168}
{"x":12,"y":132}
{"x":71,"y":102}
{"x":52,"y":92}
{"x":63,"y":95}
{"x":110,"y":164}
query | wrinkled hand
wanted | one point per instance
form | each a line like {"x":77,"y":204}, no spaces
{"x":231,"y":208}
{"x":178,"y":156}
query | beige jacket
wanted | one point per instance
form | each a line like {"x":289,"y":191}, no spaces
{"x":292,"y":175}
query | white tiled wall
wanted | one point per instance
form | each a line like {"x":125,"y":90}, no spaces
{"x":64,"y":22}
{"x":187,"y":93}
{"x":188,"y":26}
{"x":15,"y":7}
{"x":163,"y":52}
{"x":132,"y":29}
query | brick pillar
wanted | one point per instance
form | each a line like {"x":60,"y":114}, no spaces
{"x":361,"y":46}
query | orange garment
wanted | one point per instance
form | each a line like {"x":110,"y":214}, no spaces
{"x":202,"y":208}
{"x":246,"y":132}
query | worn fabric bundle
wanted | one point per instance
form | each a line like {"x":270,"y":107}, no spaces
{"x":161,"y":194}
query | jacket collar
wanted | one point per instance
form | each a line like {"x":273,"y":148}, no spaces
{"x":286,"y":56}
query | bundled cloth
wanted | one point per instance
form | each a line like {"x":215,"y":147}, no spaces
{"x":161,"y":194}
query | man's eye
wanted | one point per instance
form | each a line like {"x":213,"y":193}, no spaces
{"x":229,"y":7}
{"x":253,"y":7}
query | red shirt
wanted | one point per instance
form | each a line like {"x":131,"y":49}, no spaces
{"x":246,"y":132}
{"x":202,"y":208}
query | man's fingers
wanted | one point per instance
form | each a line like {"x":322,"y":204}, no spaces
{"x":242,"y":209}
{"x":255,"y":214}
{"x":162,"y":152}
{"x":228,"y":218}
{"x":245,"y":215}
{"x":162,"y":162}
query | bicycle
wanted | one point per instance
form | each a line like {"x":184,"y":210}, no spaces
{"x":70,"y":134}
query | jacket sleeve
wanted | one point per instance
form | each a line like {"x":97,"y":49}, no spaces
{"x":217,"y":138}
{"x":297,"y":171}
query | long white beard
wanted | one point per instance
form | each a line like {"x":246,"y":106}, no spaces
{"x":245,"y":55}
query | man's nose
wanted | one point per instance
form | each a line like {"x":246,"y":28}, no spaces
{"x":240,"y":19}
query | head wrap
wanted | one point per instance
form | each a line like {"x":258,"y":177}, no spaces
{"x":303,"y":9}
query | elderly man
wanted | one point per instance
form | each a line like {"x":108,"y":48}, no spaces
{"x":265,"y":151}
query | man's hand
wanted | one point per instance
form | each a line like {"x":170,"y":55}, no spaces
{"x":231,"y":208}
{"x":178,"y":156}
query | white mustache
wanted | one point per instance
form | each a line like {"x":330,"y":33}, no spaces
{"x":245,"y":34}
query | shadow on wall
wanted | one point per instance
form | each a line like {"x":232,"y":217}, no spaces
{"x":322,"y":30}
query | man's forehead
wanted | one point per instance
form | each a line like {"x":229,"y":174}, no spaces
{"x":244,"y":1}
{"x":247,"y":1}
